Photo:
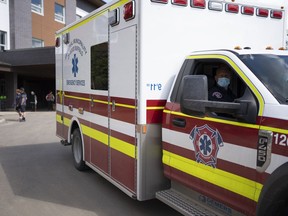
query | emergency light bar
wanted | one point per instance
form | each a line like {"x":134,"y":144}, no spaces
{"x":229,"y":7}
{"x":267,"y":48}
{"x":129,"y":9}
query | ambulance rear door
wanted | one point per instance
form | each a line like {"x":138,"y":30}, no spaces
{"x":59,"y":86}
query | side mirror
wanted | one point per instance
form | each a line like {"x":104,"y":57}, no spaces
{"x":194,"y":100}
{"x":194,"y":91}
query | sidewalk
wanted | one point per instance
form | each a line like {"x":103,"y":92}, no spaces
{"x":38,"y":127}
{"x":3,"y":115}
{"x":8,"y":115}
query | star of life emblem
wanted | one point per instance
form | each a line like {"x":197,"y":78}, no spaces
{"x":206,"y":143}
{"x":75,"y":65}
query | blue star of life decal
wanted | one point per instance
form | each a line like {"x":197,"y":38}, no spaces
{"x":206,"y":142}
{"x":205,"y":145}
{"x":75,"y":65}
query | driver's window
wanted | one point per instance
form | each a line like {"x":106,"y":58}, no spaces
{"x":243,"y":108}
{"x":224,"y":84}
{"x":221,"y":76}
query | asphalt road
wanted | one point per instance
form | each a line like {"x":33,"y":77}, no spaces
{"x":37,"y":176}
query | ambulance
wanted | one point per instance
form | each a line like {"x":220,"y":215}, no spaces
{"x":132,"y":82}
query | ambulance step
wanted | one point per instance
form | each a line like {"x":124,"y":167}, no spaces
{"x":182,"y":204}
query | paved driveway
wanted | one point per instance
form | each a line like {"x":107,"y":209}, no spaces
{"x":37,"y":176}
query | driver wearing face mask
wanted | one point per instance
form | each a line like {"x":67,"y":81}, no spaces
{"x":220,"y":91}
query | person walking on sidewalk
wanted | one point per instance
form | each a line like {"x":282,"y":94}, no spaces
{"x":18,"y":102}
{"x":50,"y":100}
{"x":23,"y":104}
{"x":33,"y":101}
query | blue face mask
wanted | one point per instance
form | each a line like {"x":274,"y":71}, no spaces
{"x":223,"y":82}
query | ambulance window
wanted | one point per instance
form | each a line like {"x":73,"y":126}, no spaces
{"x":99,"y":66}
{"x":237,"y":91}
{"x":207,"y":67}
{"x":210,"y":67}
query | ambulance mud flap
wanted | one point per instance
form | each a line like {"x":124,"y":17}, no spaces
{"x":182,"y":204}
{"x":65,"y":143}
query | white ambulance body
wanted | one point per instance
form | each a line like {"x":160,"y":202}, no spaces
{"x":115,"y":70}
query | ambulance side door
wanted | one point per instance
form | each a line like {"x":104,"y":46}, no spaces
{"x":98,"y":150}
{"x":123,"y":106}
{"x":211,"y":146}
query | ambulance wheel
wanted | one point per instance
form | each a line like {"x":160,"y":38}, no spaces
{"x":274,"y":196}
{"x":77,"y":151}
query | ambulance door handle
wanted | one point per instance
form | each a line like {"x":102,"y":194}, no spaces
{"x":92,"y":102}
{"x":113,"y":105}
{"x":179,"y":122}
{"x":70,"y":107}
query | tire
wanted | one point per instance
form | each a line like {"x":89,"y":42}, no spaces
{"x":274,"y":196}
{"x":77,"y":151}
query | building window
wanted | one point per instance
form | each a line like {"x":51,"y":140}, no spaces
{"x":3,"y":39}
{"x":99,"y":67}
{"x":3,"y":1}
{"x":37,"y":6}
{"x":59,"y":13}
{"x":37,"y":43}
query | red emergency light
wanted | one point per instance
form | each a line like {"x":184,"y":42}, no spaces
{"x":160,"y":1}
{"x":262,"y":12}
{"x":276,"y":14}
{"x":129,"y":11}
{"x":57,"y":42}
{"x":179,"y":2}
{"x":198,"y":3}
{"x":248,"y":10}
{"x":232,"y":8}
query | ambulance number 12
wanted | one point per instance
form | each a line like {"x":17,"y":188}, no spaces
{"x":281,"y":139}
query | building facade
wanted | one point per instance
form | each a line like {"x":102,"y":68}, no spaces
{"x":27,"y":40}
{"x":4,"y":25}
